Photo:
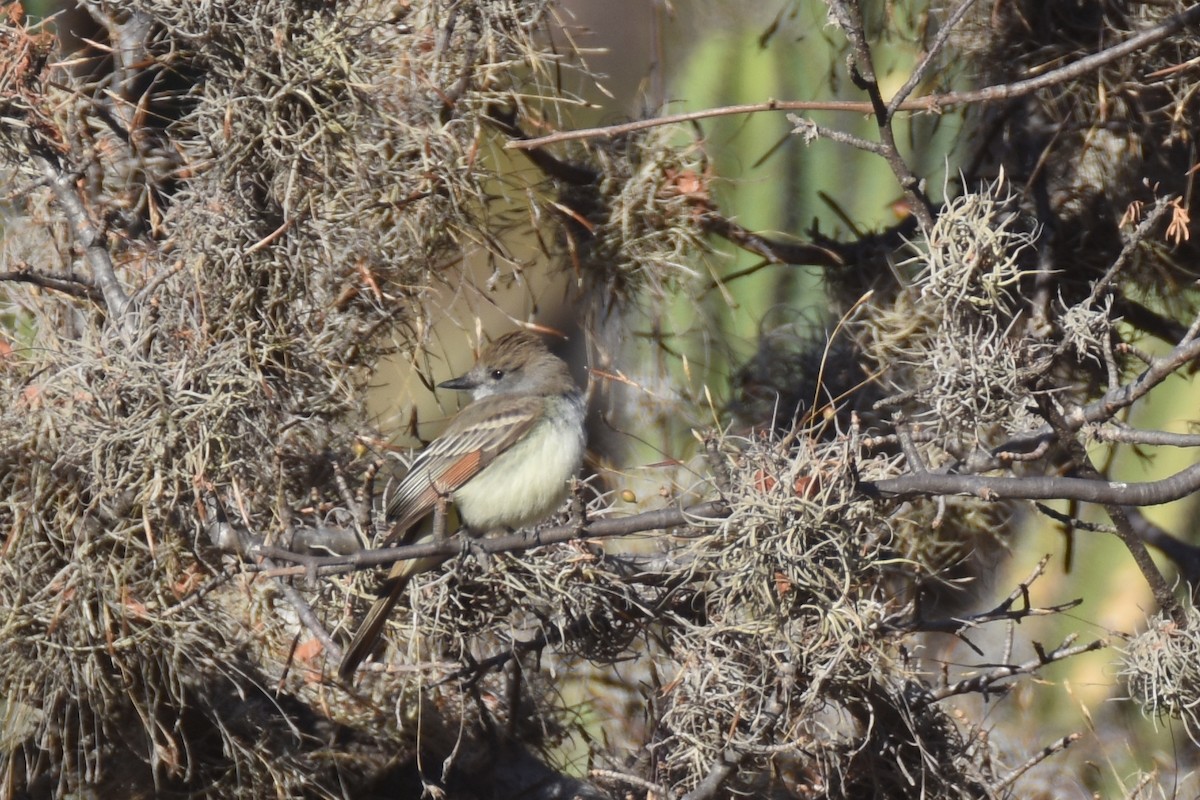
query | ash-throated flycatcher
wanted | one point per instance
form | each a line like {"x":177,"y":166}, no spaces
{"x":504,"y":461}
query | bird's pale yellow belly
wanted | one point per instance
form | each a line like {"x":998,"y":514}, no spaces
{"x":529,"y":480}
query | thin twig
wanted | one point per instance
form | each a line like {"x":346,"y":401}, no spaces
{"x":1003,"y":611}
{"x":982,"y":684}
{"x":611,"y":131}
{"x":849,"y":18}
{"x":773,"y":250}
{"x":1104,"y":408}
{"x":1037,"y":758}
{"x":939,"y":41}
{"x":811,"y":131}
{"x":1126,"y":255}
{"x":934,"y":103}
{"x":631,"y":780}
{"x":1073,"y":523}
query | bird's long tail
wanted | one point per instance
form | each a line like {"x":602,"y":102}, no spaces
{"x":368,"y":632}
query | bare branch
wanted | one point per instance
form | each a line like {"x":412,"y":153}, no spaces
{"x":1135,"y":239}
{"x":715,"y":779}
{"x":595,"y":529}
{"x":929,"y":103}
{"x":811,"y":131}
{"x":70,"y":284}
{"x":1106,"y":407}
{"x":306,"y":615}
{"x":1148,"y":493}
{"x":987,"y":682}
{"x":1075,"y":69}
{"x":862,"y":71}
{"x":1116,"y":431}
{"x":1034,"y":760}
{"x":652,"y":789}
{"x":86,"y":235}
{"x":1083,"y":463}
{"x":772,"y":250}
{"x":1185,"y":556}
{"x":927,"y":63}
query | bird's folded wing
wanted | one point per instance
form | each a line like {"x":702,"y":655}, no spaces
{"x":472,"y":440}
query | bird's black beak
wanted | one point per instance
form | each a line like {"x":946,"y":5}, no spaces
{"x":463,"y":383}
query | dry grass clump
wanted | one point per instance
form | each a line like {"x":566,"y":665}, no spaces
{"x":566,"y":597}
{"x":799,"y":375}
{"x":363,"y":132}
{"x":786,"y":670}
{"x":771,"y":641}
{"x":954,"y":337}
{"x":633,"y":231}
{"x":1091,"y":145}
{"x":1161,"y":667}
{"x":270,"y":224}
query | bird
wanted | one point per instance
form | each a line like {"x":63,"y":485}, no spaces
{"x":505,"y":461}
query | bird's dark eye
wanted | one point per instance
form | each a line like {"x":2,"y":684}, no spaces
{"x":497,"y":374}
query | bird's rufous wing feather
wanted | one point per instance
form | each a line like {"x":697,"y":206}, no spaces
{"x":472,"y":440}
